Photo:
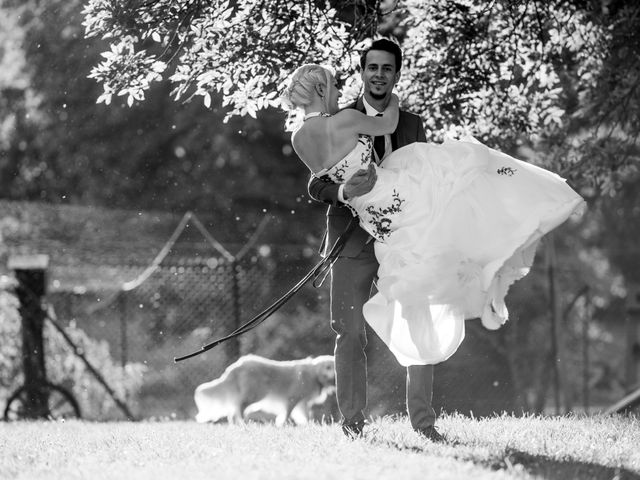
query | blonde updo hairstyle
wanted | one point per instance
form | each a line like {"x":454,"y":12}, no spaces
{"x":302,"y":84}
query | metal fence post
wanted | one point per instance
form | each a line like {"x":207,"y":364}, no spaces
{"x":632,"y":323}
{"x":30,"y":275}
{"x":233,"y":350}
{"x":586,"y":321}
{"x":122,"y":308}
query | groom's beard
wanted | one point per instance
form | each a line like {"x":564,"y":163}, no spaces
{"x":377,"y":96}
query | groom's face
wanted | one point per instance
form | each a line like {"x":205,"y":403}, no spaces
{"x":379,"y":75}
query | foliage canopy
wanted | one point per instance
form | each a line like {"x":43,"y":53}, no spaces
{"x":501,"y":70}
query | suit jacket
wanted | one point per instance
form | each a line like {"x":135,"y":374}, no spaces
{"x":409,"y":130}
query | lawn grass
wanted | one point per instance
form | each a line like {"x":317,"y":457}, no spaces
{"x":598,"y":447}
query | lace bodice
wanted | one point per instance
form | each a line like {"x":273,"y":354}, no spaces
{"x":379,"y":210}
{"x":355,"y":160}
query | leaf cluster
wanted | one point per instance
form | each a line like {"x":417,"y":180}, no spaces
{"x":557,"y":76}
{"x":239,"y":49}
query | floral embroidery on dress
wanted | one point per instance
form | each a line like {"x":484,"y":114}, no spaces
{"x":365,"y":156}
{"x":342,"y":170}
{"x":381,"y":218}
{"x":339,"y":172}
{"x":507,"y":171}
{"x":325,"y":178}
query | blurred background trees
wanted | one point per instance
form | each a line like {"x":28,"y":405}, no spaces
{"x":556,"y":80}
{"x":60,"y":147}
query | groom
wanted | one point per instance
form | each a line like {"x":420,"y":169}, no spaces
{"x":352,"y":276}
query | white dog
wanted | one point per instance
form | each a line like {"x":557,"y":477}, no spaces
{"x":273,"y":386}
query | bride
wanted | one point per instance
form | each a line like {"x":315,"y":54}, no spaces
{"x":455,"y":224}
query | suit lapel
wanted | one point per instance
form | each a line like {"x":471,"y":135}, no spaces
{"x":358,"y":105}
{"x":399,"y":137}
{"x":394,"y":139}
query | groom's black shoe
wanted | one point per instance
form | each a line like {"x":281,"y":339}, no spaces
{"x":432,"y":434}
{"x":353,"y":429}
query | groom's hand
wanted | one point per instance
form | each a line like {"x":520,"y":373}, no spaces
{"x":360,"y":183}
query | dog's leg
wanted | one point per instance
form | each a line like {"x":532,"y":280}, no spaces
{"x":281,"y":419}
{"x":235,"y":418}
{"x":300,"y":413}
{"x":235,"y":414}
{"x":284,"y":415}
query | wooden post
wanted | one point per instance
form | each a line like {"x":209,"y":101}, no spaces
{"x":632,"y":321}
{"x":30,"y":274}
{"x":124,"y":347}
{"x":561,"y":389}
{"x":233,"y":350}
{"x":586,"y":321}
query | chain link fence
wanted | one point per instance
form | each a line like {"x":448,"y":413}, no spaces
{"x":184,"y":303}
{"x":145,"y":306}
{"x":139,"y":306}
{"x":179,"y":307}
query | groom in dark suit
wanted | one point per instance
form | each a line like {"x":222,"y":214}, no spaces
{"x":352,"y":276}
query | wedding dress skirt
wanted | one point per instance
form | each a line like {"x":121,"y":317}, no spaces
{"x":455,"y":225}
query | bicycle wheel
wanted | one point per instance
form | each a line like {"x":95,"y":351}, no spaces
{"x":61,"y":404}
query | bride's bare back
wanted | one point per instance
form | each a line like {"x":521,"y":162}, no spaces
{"x":322,"y":141}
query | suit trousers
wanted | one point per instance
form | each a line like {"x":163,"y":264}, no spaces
{"x":351,"y":286}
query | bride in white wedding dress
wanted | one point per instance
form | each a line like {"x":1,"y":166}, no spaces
{"x":455,"y":223}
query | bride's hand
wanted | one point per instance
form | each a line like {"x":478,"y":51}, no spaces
{"x":360,"y":183}
{"x":394,"y":102}
{"x":393,"y":110}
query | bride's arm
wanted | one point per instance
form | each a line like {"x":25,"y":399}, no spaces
{"x":352,"y":121}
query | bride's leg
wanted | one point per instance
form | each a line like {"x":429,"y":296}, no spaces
{"x":351,"y":280}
